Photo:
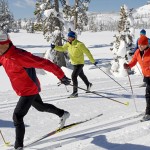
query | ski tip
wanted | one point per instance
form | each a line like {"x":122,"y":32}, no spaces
{"x":127,"y":103}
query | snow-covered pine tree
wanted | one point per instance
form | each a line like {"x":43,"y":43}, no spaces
{"x":123,"y":43}
{"x":30,"y":26}
{"x":77,"y":13}
{"x":92,"y":25}
{"x":47,"y":14}
{"x":6,"y":17}
{"x":19,"y":23}
{"x":15,"y":27}
{"x":55,"y":23}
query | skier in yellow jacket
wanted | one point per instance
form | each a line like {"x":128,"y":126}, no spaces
{"x":76,"y":50}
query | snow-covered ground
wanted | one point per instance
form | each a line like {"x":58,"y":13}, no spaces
{"x":114,"y":130}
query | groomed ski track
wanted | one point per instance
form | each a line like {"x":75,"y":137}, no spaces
{"x":100,"y":129}
{"x":89,"y":132}
{"x":98,"y":86}
{"x":94,"y":128}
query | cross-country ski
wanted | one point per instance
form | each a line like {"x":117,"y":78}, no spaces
{"x":62,"y":129}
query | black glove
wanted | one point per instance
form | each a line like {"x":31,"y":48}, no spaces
{"x":131,"y":53}
{"x":65,"y":80}
{"x":126,"y":66}
{"x":52,"y":46}
{"x":95,"y":63}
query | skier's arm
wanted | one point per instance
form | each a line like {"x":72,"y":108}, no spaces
{"x":87,"y":52}
{"x":61,"y":48}
{"x":28,"y":60}
{"x":133,"y":61}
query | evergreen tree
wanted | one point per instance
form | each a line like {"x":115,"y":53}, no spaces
{"x":6,"y":18}
{"x":30,"y":26}
{"x":124,"y":41}
{"x":55,"y":25}
{"x":47,"y":14}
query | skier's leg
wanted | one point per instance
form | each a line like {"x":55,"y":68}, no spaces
{"x":147,"y":96}
{"x":45,"y":107}
{"x":76,"y":71}
{"x":20,"y":111}
{"x":83,"y":77}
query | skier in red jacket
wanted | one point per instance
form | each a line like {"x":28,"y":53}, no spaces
{"x":20,"y":67}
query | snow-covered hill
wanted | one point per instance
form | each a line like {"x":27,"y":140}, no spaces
{"x":104,"y":17}
{"x":141,"y":17}
{"x":143,"y":10}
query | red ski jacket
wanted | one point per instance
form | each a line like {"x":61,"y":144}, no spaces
{"x":144,"y":61}
{"x":20,"y":67}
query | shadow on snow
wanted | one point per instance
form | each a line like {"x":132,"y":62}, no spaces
{"x":7,"y":124}
{"x":98,"y":46}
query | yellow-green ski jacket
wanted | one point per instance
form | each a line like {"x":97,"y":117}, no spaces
{"x":76,"y":52}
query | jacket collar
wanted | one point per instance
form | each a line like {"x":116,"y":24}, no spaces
{"x":10,"y":51}
{"x":74,"y":42}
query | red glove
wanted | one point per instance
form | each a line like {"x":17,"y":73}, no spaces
{"x":126,"y":66}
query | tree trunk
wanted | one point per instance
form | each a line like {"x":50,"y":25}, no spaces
{"x":59,"y":55}
{"x":76,"y":15}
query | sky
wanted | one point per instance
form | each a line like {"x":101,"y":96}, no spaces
{"x":25,"y":8}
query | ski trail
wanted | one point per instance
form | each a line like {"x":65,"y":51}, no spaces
{"x":97,"y":129}
{"x":86,"y":134}
{"x":10,"y":105}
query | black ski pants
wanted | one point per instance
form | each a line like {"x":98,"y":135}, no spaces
{"x":147,"y":95}
{"x":78,"y":71}
{"x":22,"y":107}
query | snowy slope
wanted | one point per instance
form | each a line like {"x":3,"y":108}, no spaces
{"x":105,"y":17}
{"x":138,"y":13}
{"x":115,"y":130}
{"x":143,"y":10}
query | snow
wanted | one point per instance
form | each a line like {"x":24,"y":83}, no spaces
{"x":48,"y":12}
{"x":122,"y":49}
{"x":143,"y":10}
{"x":102,"y":133}
{"x":42,"y":6}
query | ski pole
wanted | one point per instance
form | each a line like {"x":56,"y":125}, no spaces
{"x":139,"y":70}
{"x":132,"y":91}
{"x":111,"y":78}
{"x":126,"y":103}
{"x":6,"y":143}
{"x":66,"y":88}
{"x":59,"y":83}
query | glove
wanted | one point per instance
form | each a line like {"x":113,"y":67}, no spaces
{"x":131,"y":53}
{"x":52,"y":46}
{"x":126,"y":66}
{"x":95,"y":63}
{"x":65,"y":80}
